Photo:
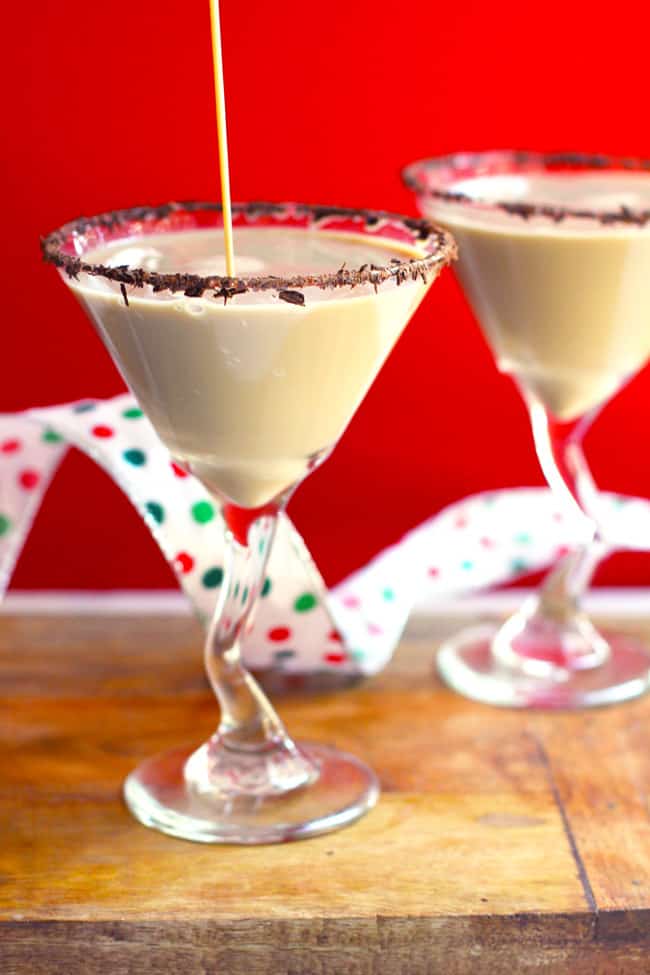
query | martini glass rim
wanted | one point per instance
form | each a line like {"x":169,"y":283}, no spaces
{"x":435,"y":176}
{"x":64,"y":247}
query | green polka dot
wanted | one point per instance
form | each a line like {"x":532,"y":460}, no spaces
{"x":156,"y":511}
{"x":467,"y":565}
{"x":134,"y":456}
{"x":51,"y":436}
{"x":244,"y":598}
{"x":5,"y":525}
{"x":266,"y":588}
{"x":213,"y":577}
{"x":133,"y":413}
{"x":388,"y":595}
{"x":83,"y":407}
{"x":357,"y":655}
{"x":202,"y":512}
{"x":236,"y":592}
{"x":305,"y":602}
{"x":519,"y":565}
{"x":261,"y":546}
{"x":281,"y":655}
{"x":523,"y":538}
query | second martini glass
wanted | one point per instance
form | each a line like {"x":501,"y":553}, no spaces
{"x":555,"y":260}
{"x":249,"y":381}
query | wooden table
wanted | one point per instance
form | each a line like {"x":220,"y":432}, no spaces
{"x":504,"y":842}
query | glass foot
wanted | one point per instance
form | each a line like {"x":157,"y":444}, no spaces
{"x":468,"y":665}
{"x":160,"y":795}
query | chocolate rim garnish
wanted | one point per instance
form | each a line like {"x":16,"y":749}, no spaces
{"x":420,"y":177}
{"x":438,"y":244}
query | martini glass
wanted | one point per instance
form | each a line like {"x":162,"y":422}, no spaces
{"x":555,"y":261}
{"x":249,"y":381}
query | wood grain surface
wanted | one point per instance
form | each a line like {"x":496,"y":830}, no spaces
{"x":504,"y":842}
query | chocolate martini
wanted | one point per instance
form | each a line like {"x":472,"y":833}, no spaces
{"x":555,"y":260}
{"x":249,"y":381}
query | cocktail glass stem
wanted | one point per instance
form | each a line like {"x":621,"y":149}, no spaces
{"x":251,"y":752}
{"x":550,"y":633}
{"x":549,"y":654}
{"x":250,"y":782}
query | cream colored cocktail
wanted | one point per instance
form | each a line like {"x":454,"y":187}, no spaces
{"x":251,"y":392}
{"x":566,"y":304}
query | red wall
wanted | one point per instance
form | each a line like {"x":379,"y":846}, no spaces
{"x":111,"y":105}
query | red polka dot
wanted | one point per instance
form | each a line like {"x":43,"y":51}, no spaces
{"x":10,"y":446}
{"x":279,"y":633}
{"x":561,"y":551}
{"x":460,"y":521}
{"x":102,"y":432}
{"x":374,"y":629}
{"x":558,"y":516}
{"x":433,"y":572}
{"x":178,"y":470}
{"x":28,"y":479}
{"x":335,"y":636}
{"x":184,"y":562}
{"x":335,"y":658}
{"x":488,"y":542}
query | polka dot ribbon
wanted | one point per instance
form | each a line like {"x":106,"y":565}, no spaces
{"x":29,"y":457}
{"x":479,"y":542}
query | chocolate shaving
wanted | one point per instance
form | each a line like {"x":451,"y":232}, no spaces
{"x":438,"y":247}
{"x":227,"y":291}
{"x":429,"y":176}
{"x":292,"y":297}
{"x":124,"y":294}
{"x":194,"y":289}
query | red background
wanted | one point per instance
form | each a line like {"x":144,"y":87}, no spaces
{"x":111,"y":105}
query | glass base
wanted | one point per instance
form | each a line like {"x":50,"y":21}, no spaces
{"x":467,"y":664}
{"x":159,"y":795}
